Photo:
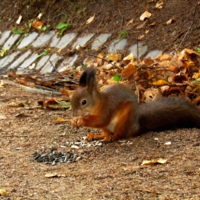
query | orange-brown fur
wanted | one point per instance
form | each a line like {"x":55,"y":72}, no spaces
{"x":115,"y":110}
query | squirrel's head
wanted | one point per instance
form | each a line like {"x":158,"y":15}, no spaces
{"x":85,"y":98}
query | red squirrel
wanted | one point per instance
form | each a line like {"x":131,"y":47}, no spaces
{"x":116,"y":111}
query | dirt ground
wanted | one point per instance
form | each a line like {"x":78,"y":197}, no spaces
{"x":113,"y":16}
{"x":105,"y":171}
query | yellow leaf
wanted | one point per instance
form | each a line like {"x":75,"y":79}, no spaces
{"x":114,"y":56}
{"x":196,"y":75}
{"x":4,"y":192}
{"x":160,"y":82}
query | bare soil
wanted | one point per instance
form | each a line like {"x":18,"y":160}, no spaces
{"x":115,"y":17}
{"x":107,"y":171}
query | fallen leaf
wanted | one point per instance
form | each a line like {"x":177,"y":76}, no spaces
{"x":53,"y":175}
{"x":153,"y":162}
{"x":90,"y":19}
{"x":114,"y":56}
{"x":170,"y":21}
{"x":160,"y":82}
{"x":129,"y":57}
{"x":19,"y":20}
{"x":129,"y":22}
{"x":128,"y":71}
{"x":37,"y":24}
{"x":148,"y":61}
{"x":2,"y":117}
{"x":4,"y":192}
{"x":2,"y":83}
{"x":99,"y":58}
{"x":145,"y":15}
{"x":196,"y":75}
{"x":60,"y":120}
{"x":159,"y":4}
{"x":107,"y":66}
{"x":140,"y":37}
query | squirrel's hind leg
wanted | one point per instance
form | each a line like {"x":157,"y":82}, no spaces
{"x":105,"y":135}
{"x":127,"y":124}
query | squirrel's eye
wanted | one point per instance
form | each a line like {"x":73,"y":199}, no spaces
{"x":83,"y":102}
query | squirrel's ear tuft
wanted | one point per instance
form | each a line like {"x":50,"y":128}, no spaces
{"x":87,"y":79}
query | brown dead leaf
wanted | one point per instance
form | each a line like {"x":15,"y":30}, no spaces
{"x":24,"y":82}
{"x":37,"y":24}
{"x":170,"y":21}
{"x":164,"y":57}
{"x":89,"y":62}
{"x":179,"y":78}
{"x":16,"y":104}
{"x":129,"y":22}
{"x":66,"y":92}
{"x":99,"y":59}
{"x":148,"y":61}
{"x":140,"y":37}
{"x":128,"y":71}
{"x":55,"y":103}
{"x":140,"y":26}
{"x":131,"y":168}
{"x":60,"y":120}
{"x":176,"y":62}
{"x":153,"y":162}
{"x":107,"y":66}
{"x":173,"y":68}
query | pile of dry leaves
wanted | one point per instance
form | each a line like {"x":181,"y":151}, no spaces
{"x":166,"y":75}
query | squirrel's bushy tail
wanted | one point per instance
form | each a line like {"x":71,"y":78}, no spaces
{"x":168,"y":113}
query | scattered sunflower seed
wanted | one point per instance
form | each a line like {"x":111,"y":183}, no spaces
{"x":54,"y":157}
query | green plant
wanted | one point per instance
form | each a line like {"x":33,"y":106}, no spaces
{"x":198,"y":49}
{"x":116,"y":77}
{"x":17,"y":31}
{"x":44,"y":53}
{"x":63,"y":26}
{"x":44,"y":28}
{"x":123,"y":34}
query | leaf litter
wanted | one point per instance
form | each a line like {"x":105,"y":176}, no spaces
{"x":166,"y":75}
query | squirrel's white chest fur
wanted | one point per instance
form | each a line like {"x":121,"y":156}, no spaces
{"x":111,"y":126}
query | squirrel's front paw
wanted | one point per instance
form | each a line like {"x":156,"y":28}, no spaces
{"x":77,"y":122}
